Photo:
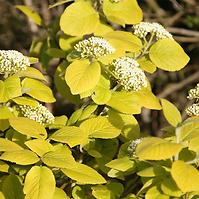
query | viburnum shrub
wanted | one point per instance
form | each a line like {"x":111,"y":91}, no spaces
{"x":99,"y":151}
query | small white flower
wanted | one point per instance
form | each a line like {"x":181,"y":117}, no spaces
{"x":39,"y":113}
{"x":142,"y":29}
{"x":194,"y":93}
{"x":12,"y":61}
{"x":128,"y":74}
{"x":94,"y":47}
{"x":132,"y":147}
{"x":193,"y":110}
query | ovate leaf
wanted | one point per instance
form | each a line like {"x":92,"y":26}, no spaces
{"x":60,"y":194}
{"x":153,"y":148}
{"x":32,"y":73}
{"x":125,"y":102}
{"x":37,"y":90}
{"x":7,"y":145}
{"x":70,"y":135}
{"x":39,"y":146}
{"x":185,"y":176}
{"x":31,"y":14}
{"x":171,"y":113}
{"x":21,"y":157}
{"x":122,"y":12}
{"x":5,"y":113}
{"x":82,"y":76}
{"x":168,"y":55}
{"x":39,"y":183}
{"x":155,"y":193}
{"x":28,"y":127}
{"x":121,"y":164}
{"x":83,"y":174}
{"x":124,"y":41}
{"x":79,"y":18}
{"x":99,"y":127}
{"x":59,"y":158}
{"x":10,"y":88}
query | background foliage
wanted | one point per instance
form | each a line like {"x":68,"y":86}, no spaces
{"x":97,"y":163}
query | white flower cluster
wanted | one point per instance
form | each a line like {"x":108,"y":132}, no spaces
{"x":12,"y":61}
{"x":194,"y":93}
{"x":39,"y":113}
{"x":132,"y":147}
{"x":193,"y":110}
{"x":128,"y":74}
{"x":142,"y":29}
{"x":94,"y":47}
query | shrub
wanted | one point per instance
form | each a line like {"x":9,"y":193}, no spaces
{"x":99,"y":151}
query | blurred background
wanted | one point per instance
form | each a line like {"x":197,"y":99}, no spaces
{"x":180,"y":17}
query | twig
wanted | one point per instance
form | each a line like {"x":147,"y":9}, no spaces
{"x":177,"y":86}
{"x":182,"y":31}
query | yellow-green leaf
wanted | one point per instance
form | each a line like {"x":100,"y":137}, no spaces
{"x":32,"y":73}
{"x":31,"y":14}
{"x":21,"y":157}
{"x":169,"y":187}
{"x":39,"y":183}
{"x":185,"y":176}
{"x":40,"y":147}
{"x":25,"y":101}
{"x":83,"y":174}
{"x":125,"y":102}
{"x":28,"y":127}
{"x":168,"y":55}
{"x":153,"y":148}
{"x":10,"y":88}
{"x":171,"y":113}
{"x":70,"y":135}
{"x":37,"y":90}
{"x":59,"y":158}
{"x":82,"y":76}
{"x":99,"y":127}
{"x":124,"y":41}
{"x":7,"y":145}
{"x":121,"y":164}
{"x":5,"y":113}
{"x":155,"y":193}
{"x":60,"y":194}
{"x":122,"y":12}
{"x":80,"y":18}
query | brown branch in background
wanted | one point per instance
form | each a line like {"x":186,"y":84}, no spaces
{"x":170,"y":89}
{"x":45,"y":11}
{"x":33,"y":27}
{"x":186,"y":39}
{"x":182,"y":31}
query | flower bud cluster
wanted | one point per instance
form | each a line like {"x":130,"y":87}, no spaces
{"x":193,"y":110}
{"x":12,"y":61}
{"x":39,"y":113}
{"x":94,"y":47}
{"x":128,"y":74}
{"x":132,"y":147}
{"x":194,"y":93}
{"x":142,"y":29}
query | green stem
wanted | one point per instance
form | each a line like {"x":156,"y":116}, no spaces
{"x":177,"y":133}
{"x":148,"y":45}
